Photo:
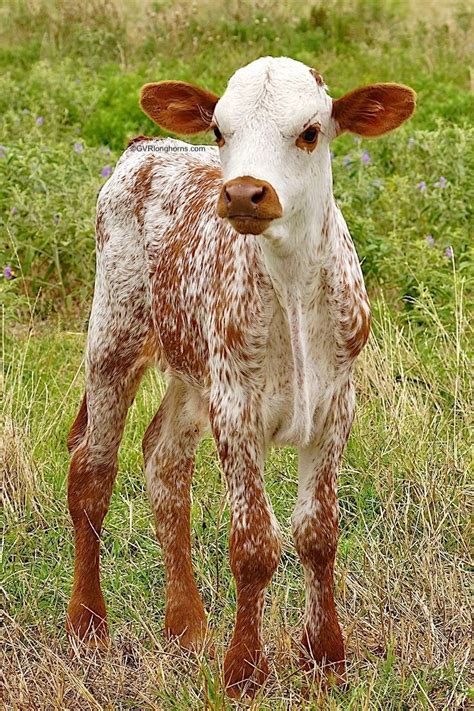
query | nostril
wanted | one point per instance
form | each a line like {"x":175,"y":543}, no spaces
{"x":258,"y":195}
{"x":227,"y":196}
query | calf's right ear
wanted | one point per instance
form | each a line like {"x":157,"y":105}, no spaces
{"x":178,"y":107}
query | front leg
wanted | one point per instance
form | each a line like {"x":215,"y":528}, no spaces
{"x":254,"y":537}
{"x":315,"y":532}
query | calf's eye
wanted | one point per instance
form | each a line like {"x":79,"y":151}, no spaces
{"x":309,"y":135}
{"x":308,"y":139}
{"x":219,"y":137}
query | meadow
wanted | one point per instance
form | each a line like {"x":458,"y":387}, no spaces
{"x":69,"y":82}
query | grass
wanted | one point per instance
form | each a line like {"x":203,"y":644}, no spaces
{"x":403,"y":559}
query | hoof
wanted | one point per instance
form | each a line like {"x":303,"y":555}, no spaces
{"x":187,"y":624}
{"x":244,"y":671}
{"x":324,"y":657}
{"x":88,"y":625}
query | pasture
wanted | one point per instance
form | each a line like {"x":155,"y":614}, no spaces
{"x":70,"y":77}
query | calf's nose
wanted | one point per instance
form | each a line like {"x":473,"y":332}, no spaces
{"x":249,"y":204}
{"x":241,"y":198}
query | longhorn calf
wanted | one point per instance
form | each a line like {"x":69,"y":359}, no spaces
{"x":232,"y":269}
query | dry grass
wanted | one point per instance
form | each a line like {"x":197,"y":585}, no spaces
{"x":18,"y":473}
{"x":402,"y":570}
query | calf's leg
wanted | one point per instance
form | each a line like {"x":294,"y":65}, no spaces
{"x":254,"y":538}
{"x":94,"y":440}
{"x":169,"y":448}
{"x":315,"y":532}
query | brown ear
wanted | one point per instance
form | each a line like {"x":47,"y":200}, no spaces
{"x":373,"y":110}
{"x":177,"y":106}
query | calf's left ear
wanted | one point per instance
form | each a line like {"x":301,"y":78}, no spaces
{"x":178,"y":106}
{"x":373,"y":110}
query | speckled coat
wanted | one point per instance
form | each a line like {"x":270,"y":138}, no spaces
{"x":258,"y":343}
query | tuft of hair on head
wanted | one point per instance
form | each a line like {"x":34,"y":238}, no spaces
{"x":318,"y":78}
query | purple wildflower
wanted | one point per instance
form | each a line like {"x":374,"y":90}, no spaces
{"x":346,"y":160}
{"x":421,"y":185}
{"x":78,"y":146}
{"x":7,"y":272}
{"x":106,"y":171}
{"x":430,"y":239}
{"x":410,"y":143}
{"x":39,"y":121}
{"x":449,"y":252}
{"x":14,"y":211}
{"x":365,"y":158}
{"x":441,"y":183}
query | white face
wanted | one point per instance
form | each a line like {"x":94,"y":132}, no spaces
{"x":266,"y":107}
{"x":273,"y":126}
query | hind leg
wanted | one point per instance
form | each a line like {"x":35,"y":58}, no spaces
{"x":169,"y":448}
{"x":111,"y":383}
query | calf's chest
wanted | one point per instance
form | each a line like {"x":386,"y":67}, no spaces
{"x":300,"y":372}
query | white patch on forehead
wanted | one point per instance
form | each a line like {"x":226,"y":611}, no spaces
{"x":280,"y":89}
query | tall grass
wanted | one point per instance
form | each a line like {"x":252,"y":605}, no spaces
{"x":402,"y":585}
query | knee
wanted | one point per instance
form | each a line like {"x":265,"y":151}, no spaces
{"x":254,"y":555}
{"x":168,"y":482}
{"x":315,"y":537}
{"x":89,"y":484}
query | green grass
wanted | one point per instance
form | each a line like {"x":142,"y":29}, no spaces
{"x":402,"y":566}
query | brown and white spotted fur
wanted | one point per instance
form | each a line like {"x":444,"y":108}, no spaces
{"x":232,"y":269}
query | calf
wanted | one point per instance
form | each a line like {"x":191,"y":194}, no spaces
{"x":233,"y":270}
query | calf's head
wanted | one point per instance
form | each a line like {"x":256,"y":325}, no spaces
{"x":273,"y":126}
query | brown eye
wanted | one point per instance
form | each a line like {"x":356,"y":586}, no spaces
{"x":310,"y":135}
{"x":219,"y":137}
{"x":308,"y":139}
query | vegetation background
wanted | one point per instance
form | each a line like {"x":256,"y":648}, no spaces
{"x":70,"y":76}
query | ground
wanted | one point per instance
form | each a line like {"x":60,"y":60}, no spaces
{"x":71,"y":73}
